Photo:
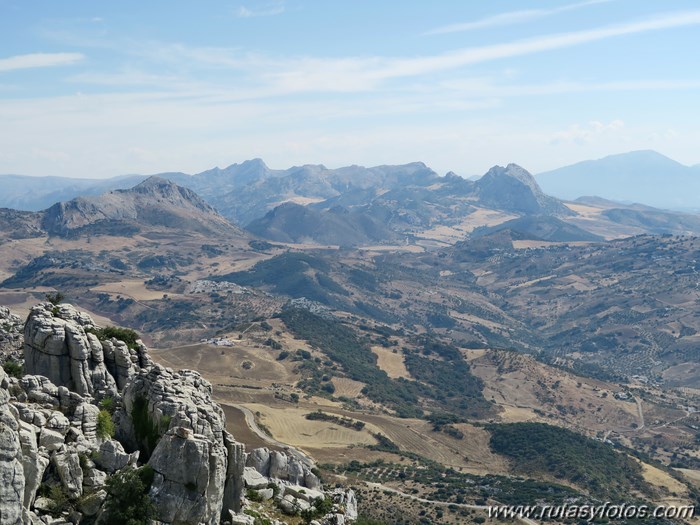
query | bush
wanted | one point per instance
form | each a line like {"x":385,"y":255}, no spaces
{"x":13,"y":368}
{"x":105,"y":425}
{"x":109,"y":404}
{"x":253,"y":495}
{"x":59,"y":500}
{"x":55,"y":298}
{"x":127,"y":498}
{"x":123,"y":334}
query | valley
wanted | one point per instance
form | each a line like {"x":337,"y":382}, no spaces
{"x":393,"y":360}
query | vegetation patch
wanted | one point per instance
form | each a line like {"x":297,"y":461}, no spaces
{"x":343,"y":346}
{"x":123,"y":334}
{"x":343,"y":421}
{"x":146,"y":431}
{"x":537,"y":448}
{"x":105,"y":426}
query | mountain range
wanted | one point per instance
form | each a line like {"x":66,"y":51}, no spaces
{"x":347,"y":206}
{"x":246,"y":191}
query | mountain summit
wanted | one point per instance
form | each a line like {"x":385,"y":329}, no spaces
{"x":154,"y":203}
{"x":514,"y":189}
{"x":643,"y":176}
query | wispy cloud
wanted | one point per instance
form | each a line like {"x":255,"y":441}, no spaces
{"x":273,"y":9}
{"x":477,"y":87}
{"x":35,"y":60}
{"x":511,"y":17}
{"x":357,"y":74}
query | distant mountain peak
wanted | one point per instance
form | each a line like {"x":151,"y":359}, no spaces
{"x":154,"y":182}
{"x":644,"y":176}
{"x":154,"y":203}
{"x":514,"y":189}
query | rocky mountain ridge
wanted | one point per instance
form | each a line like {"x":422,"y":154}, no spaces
{"x":58,"y":459}
{"x":353,"y":205}
{"x":155,"y":203}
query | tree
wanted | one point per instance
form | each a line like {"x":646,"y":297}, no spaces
{"x":128,"y":502}
{"x":55,"y":298}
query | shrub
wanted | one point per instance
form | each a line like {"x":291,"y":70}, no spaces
{"x":59,"y":500}
{"x":55,"y":298}
{"x":123,"y":334}
{"x":253,"y":495}
{"x":105,"y":425}
{"x":13,"y":368}
{"x":109,"y":404}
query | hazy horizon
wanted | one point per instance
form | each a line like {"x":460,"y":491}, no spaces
{"x":101,"y":90}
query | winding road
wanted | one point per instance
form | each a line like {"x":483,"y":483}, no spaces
{"x":253,"y":425}
{"x":528,"y":521}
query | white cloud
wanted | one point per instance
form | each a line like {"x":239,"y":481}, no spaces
{"x":35,"y":60}
{"x":511,"y":17}
{"x":594,"y":130}
{"x":265,"y":10}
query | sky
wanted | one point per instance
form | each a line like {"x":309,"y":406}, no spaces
{"x":97,"y":89}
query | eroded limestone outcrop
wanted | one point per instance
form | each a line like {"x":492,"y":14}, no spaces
{"x":198,"y":465}
{"x":59,"y":344}
{"x":12,"y":479}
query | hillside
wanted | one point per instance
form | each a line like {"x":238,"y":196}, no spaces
{"x":539,"y":228}
{"x":294,"y":223}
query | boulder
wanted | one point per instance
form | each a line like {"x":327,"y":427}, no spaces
{"x":259,"y":459}
{"x":50,"y":439}
{"x":253,"y":479}
{"x":91,"y":505}
{"x":278,"y":465}
{"x":111,"y":456}
{"x":67,"y":465}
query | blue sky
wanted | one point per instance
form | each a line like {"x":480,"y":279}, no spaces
{"x":94,"y":89}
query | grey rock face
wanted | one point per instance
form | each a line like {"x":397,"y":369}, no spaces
{"x":111,"y":456}
{"x":190,"y":472}
{"x":57,"y":346}
{"x":34,"y":461}
{"x":67,"y":465}
{"x":278,"y":465}
{"x":11,"y":339}
{"x":259,"y":459}
{"x":12,"y":480}
{"x":198,"y":465}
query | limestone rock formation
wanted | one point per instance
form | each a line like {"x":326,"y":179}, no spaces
{"x":198,"y":465}
{"x":10,"y":333}
{"x":278,"y":465}
{"x":11,"y":472}
{"x":58,"y":345}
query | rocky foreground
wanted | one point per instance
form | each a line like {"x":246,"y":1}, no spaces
{"x":91,"y":426}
